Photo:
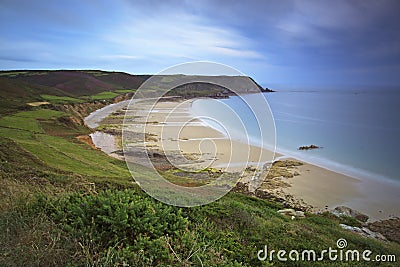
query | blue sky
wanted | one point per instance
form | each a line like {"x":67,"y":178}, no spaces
{"x":286,"y":43}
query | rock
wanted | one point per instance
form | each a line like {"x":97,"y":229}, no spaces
{"x":350,"y":228}
{"x":372,"y":234}
{"x":363,"y":231}
{"x":266,"y":90}
{"x":389,"y":228}
{"x":308,"y":147}
{"x":346,"y":211}
{"x":288,"y":212}
{"x":292,"y":213}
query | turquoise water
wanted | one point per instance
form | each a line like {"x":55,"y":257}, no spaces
{"x":359,"y":130}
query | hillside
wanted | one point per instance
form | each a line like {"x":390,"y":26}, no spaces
{"x":63,"y":202}
{"x":18,"y":88}
{"x":76,"y":82}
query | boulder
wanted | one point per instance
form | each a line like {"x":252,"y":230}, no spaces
{"x":363,"y":231}
{"x":346,"y":211}
{"x":292,"y":213}
{"x":389,"y":228}
{"x":288,"y":212}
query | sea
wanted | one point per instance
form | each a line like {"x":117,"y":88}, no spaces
{"x":358,"y":130}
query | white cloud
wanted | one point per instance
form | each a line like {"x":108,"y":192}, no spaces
{"x":179,"y":36}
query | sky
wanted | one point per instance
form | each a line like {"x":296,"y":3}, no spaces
{"x":285,"y":43}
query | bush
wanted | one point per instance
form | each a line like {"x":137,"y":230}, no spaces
{"x":122,"y":222}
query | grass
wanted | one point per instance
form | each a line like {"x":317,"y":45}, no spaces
{"x":58,"y":152}
{"x":16,"y":73}
{"x":124,"y":91}
{"x":104,"y":96}
{"x":60,"y":99}
{"x":116,"y":226}
{"x":28,"y":120}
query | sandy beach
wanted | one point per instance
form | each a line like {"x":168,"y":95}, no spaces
{"x":173,"y":129}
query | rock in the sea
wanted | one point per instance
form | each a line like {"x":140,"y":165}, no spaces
{"x":308,"y":147}
{"x":346,"y":211}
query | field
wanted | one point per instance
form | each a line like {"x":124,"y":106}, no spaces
{"x":104,"y":95}
{"x":60,"y":99}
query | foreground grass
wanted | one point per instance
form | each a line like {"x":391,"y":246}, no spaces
{"x":64,"y":203}
{"x":116,"y":227}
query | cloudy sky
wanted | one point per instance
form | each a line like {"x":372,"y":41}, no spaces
{"x":282,"y":43}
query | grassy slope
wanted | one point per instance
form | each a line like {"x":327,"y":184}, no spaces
{"x":17,"y":88}
{"x":58,"y":152}
{"x":54,"y":210}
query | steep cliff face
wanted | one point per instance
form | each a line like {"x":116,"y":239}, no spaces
{"x":78,"y":111}
{"x":123,"y":97}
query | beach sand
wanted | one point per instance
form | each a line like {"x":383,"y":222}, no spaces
{"x":326,"y":189}
{"x":174,"y":129}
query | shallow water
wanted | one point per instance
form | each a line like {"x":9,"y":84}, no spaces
{"x":106,"y":142}
{"x":94,"y":118}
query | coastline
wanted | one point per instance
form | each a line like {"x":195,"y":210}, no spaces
{"x":325,"y":188}
{"x":321,"y":188}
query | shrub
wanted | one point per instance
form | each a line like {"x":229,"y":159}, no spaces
{"x":121,"y":222}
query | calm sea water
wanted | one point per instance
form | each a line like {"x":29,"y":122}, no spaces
{"x":359,"y":130}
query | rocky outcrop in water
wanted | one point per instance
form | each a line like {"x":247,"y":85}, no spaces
{"x":309,"y":147}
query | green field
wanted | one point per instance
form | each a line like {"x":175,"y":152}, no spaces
{"x":124,"y":91}
{"x":57,"y":152}
{"x":104,"y":95}
{"x":60,"y":99}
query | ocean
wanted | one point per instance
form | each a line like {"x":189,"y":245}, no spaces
{"x":358,"y":130}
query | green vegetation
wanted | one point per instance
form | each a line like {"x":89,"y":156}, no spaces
{"x":65,"y":203}
{"x":60,"y":99}
{"x":114,"y":227}
{"x":124,"y":91}
{"x":104,"y":95}
{"x":58,"y":152}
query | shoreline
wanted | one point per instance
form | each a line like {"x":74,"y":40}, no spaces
{"x":317,"y":186}
{"x":325,"y":188}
